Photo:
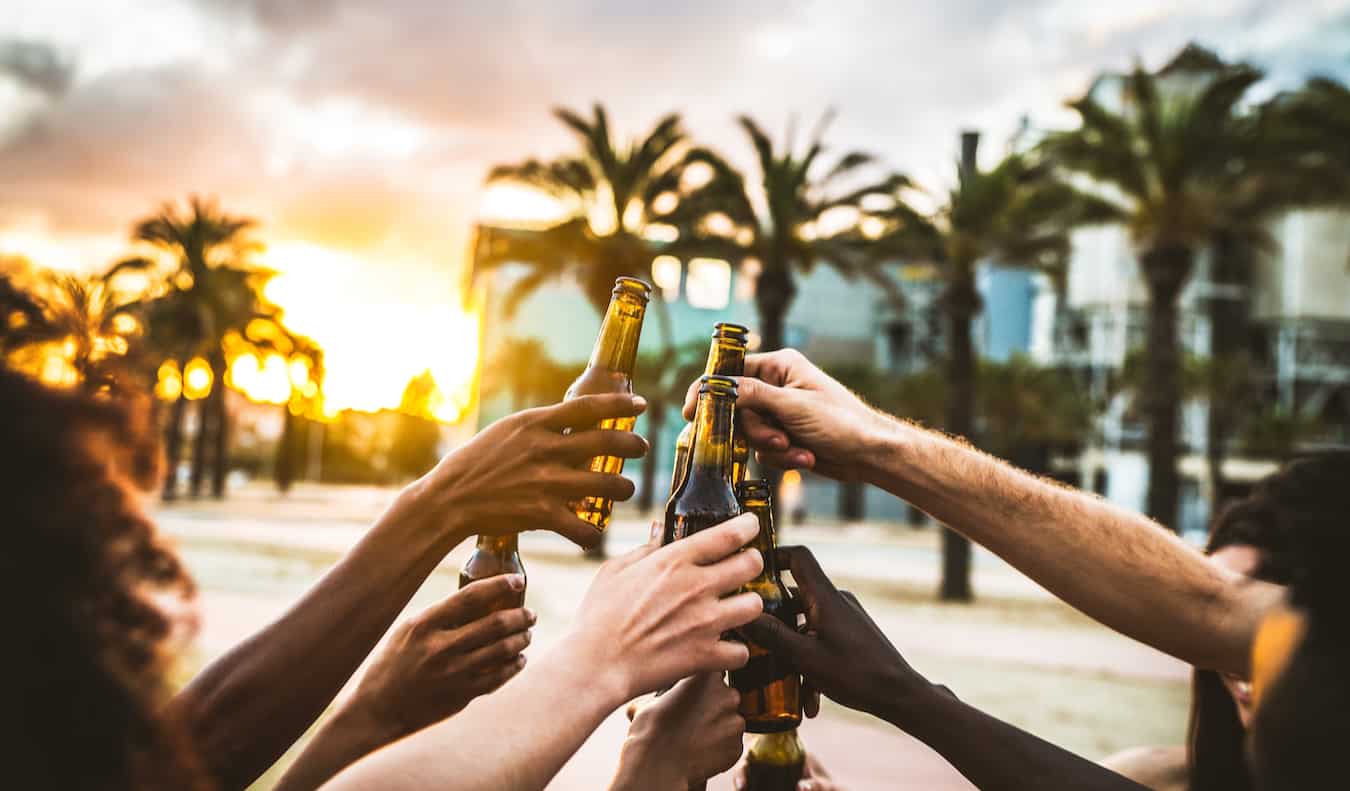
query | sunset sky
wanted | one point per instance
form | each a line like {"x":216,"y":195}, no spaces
{"x":359,"y":133}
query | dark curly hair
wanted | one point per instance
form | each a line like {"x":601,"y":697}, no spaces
{"x":1301,"y":728}
{"x":88,"y":649}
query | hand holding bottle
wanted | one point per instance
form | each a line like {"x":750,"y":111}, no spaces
{"x":527,"y":470}
{"x":845,"y":656}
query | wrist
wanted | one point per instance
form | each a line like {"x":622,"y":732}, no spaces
{"x":427,"y":506}
{"x":586,"y":656}
{"x":909,"y":706}
{"x":884,"y":449}
{"x":361,"y":729}
{"x":642,"y":766}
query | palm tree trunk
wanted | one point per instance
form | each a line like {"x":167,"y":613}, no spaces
{"x":221,"y":456}
{"x":774,"y":293}
{"x":852,"y":501}
{"x":199,"y":445}
{"x":961,"y":303}
{"x":283,"y":463}
{"x":1228,"y":316}
{"x":656,"y":421}
{"x":1165,"y":269}
{"x":173,"y":447}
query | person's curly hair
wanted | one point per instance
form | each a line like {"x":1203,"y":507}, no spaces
{"x":88,"y":649}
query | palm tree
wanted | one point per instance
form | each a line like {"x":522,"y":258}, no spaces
{"x":214,"y":288}
{"x":608,"y":190}
{"x":1014,"y":214}
{"x":523,"y":368}
{"x":1184,"y":166}
{"x":782,"y":220}
{"x":95,"y":320}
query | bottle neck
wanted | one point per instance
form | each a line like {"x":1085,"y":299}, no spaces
{"x":711,"y":454}
{"x":766,"y":542}
{"x":725,"y":358}
{"x":501,"y":545}
{"x":616,"y":347}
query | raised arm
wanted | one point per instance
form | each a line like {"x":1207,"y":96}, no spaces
{"x":848,"y":658}
{"x":466,"y":645}
{"x":249,"y":706}
{"x":649,"y":618}
{"x":1115,"y":565}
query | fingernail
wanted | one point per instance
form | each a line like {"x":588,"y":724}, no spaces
{"x":779,"y":442}
{"x":738,"y":782}
{"x":799,"y":458}
{"x":516,"y":581}
{"x":639,"y":402}
{"x":531,"y":616}
{"x":805,"y":785}
{"x":520,"y":660}
{"x":529,"y":637}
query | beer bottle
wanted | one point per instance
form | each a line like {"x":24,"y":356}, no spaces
{"x":775,"y":762}
{"x":611,"y":371}
{"x":771,"y":699}
{"x":726,"y":357}
{"x":705,"y":496}
{"x":493,"y":555}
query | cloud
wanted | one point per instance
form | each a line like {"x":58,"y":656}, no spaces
{"x":36,"y":65}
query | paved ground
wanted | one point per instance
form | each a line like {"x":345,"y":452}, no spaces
{"x":1017,"y":653}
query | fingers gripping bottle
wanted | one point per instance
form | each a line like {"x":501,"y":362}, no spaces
{"x":705,"y":496}
{"x":771,"y":699}
{"x":611,"y":371}
{"x":726,"y":357}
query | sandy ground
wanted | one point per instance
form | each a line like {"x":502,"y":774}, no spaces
{"x":1016,"y":653}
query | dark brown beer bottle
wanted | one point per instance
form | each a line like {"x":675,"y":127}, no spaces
{"x":726,"y":357}
{"x":705,"y":496}
{"x":775,"y":762}
{"x":493,"y":555}
{"x":771,"y":698}
{"x":611,"y":371}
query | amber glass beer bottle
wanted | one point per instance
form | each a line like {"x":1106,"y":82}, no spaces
{"x":493,"y":555}
{"x":705,"y":496}
{"x":726,"y":357}
{"x":775,"y":762}
{"x":771,"y":698}
{"x":611,"y":371}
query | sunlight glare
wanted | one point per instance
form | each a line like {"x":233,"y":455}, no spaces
{"x":506,"y":204}
{"x":378,"y":327}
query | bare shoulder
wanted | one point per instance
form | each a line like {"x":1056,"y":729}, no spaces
{"x":1161,"y":768}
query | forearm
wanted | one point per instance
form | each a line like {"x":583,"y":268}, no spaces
{"x":345,"y":738}
{"x":249,"y":706}
{"x":994,"y":755}
{"x":513,"y":740}
{"x":1115,"y":565}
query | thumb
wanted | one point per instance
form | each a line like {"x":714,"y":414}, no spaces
{"x":770,"y":633}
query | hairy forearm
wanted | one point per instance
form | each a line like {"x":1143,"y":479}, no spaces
{"x":994,"y":755}
{"x":513,"y":740}
{"x":249,"y":706}
{"x":1115,"y":565}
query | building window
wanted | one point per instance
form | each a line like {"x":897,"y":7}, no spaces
{"x":708,"y":284}
{"x":666,"y":275}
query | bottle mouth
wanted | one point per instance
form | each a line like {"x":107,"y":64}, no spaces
{"x":717,"y":385}
{"x":634,"y":286}
{"x":730,"y":331}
